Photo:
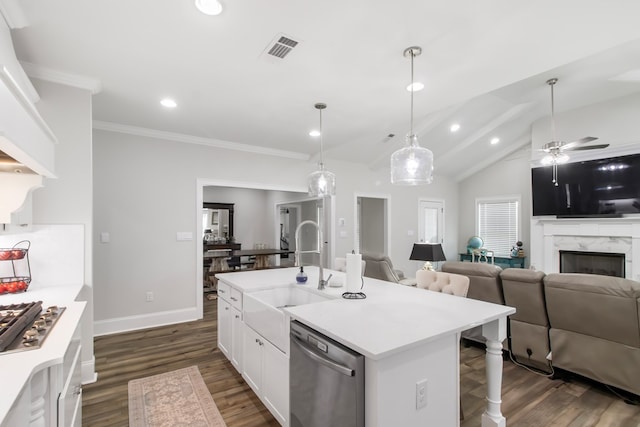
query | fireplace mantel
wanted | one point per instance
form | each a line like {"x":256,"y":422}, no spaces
{"x":620,"y":235}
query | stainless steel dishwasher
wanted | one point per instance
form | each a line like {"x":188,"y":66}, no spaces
{"x":326,"y":381}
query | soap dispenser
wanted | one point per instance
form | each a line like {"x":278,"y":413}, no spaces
{"x":301,"y":277}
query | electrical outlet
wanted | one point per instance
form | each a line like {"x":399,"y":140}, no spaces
{"x":149,"y":296}
{"x":421,"y":394}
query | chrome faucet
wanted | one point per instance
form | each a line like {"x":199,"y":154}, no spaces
{"x":321,"y":282}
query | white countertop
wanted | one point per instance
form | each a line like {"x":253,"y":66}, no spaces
{"x":16,"y":368}
{"x":392,"y":319}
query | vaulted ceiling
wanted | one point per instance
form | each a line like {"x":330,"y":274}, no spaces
{"x":484,"y":66}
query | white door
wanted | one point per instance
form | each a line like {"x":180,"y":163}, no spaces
{"x":431,"y":221}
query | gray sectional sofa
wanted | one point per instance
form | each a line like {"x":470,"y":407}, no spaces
{"x":583,"y":323}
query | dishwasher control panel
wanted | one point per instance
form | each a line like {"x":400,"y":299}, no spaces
{"x":317,"y":343}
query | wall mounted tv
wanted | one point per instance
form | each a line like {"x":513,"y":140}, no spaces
{"x":599,"y":188}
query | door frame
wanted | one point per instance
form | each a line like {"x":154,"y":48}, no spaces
{"x":356,"y":220}
{"x":422,"y":200}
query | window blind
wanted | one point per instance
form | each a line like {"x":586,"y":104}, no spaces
{"x":498,"y":225}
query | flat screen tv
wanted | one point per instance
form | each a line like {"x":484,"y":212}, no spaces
{"x":603,"y":187}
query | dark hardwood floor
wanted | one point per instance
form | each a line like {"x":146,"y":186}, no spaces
{"x":528,"y":399}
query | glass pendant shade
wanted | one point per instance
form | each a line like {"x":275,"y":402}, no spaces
{"x":322,"y":183}
{"x":412,"y":164}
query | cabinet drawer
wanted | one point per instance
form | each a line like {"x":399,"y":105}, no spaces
{"x":224,"y":291}
{"x":236,"y":298}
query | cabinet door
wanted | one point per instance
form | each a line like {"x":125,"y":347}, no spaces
{"x":252,"y":359}
{"x":70,"y":399}
{"x":275,"y":382}
{"x":236,"y":338}
{"x":224,"y":327}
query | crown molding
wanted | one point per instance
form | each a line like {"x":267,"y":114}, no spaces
{"x":68,"y":79}
{"x":189,"y":139}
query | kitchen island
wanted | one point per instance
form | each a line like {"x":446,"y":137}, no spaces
{"x":407,"y":335}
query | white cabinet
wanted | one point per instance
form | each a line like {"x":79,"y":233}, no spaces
{"x":224,"y":327}
{"x":230,"y":324}
{"x":266,"y":370}
{"x":70,"y":400}
{"x":236,"y":338}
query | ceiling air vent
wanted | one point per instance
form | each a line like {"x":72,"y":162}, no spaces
{"x":281,"y":47}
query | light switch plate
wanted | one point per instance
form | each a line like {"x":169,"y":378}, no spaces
{"x":421,"y":394}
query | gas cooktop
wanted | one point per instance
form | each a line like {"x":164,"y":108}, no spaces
{"x":25,"y":326}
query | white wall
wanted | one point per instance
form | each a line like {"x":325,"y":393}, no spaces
{"x":145,"y":192}
{"x":510,"y":176}
{"x":372,"y":227}
{"x":68,"y":199}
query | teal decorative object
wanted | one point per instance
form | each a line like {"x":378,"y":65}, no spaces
{"x":474,"y":244}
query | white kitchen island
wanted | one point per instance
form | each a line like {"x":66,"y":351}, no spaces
{"x":407,"y":335}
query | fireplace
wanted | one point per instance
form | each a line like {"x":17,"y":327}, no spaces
{"x":603,"y":263}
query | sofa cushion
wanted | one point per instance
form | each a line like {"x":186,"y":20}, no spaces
{"x":484,"y":279}
{"x":598,"y":306}
{"x":523,"y":289}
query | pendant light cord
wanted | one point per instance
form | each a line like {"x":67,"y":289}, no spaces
{"x":553,"y":115}
{"x":321,"y":142}
{"x":412,"y":90}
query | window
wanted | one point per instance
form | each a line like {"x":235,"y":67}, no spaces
{"x":498,"y":222}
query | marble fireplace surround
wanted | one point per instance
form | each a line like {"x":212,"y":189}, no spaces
{"x":609,"y":235}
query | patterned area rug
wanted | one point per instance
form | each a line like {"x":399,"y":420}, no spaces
{"x":177,"y":398}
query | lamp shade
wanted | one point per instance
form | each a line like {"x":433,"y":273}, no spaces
{"x":412,"y":165}
{"x":321,"y":183}
{"x":427,"y":252}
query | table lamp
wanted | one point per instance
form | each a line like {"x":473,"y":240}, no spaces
{"x":427,"y":252}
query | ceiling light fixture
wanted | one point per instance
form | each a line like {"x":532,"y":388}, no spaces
{"x":314,"y":133}
{"x":169,"y":103}
{"x":321,"y":183}
{"x":454,"y":127}
{"x":412,"y":164}
{"x":494,"y":140}
{"x":209,"y":7}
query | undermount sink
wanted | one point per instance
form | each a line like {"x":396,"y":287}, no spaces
{"x":263,"y":311}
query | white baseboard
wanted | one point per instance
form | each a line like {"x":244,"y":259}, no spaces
{"x":143,"y":321}
{"x":89,"y":374}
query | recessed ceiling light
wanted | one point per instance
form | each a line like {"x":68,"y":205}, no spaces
{"x":169,"y":103}
{"x":455,"y":127}
{"x":494,"y":140}
{"x":415,"y":87}
{"x":314,"y":133}
{"x":209,"y":7}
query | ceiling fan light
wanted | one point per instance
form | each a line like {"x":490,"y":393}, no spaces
{"x":547,"y":160}
{"x":562,"y":158}
{"x":412,"y":165}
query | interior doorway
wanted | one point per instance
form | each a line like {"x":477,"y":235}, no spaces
{"x":371,"y":224}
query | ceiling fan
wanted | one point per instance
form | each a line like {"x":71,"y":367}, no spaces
{"x":555,"y":149}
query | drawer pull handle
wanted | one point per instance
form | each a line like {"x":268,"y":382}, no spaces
{"x":237,"y":317}
{"x":226,"y":308}
{"x":234,"y":299}
{"x":221,"y":291}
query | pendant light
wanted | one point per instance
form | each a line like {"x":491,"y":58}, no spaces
{"x":412,"y":164}
{"x":321,"y":182}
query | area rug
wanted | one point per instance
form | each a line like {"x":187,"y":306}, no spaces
{"x":172,"y":399}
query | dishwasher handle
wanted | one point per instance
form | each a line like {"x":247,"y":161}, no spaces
{"x":322,"y":360}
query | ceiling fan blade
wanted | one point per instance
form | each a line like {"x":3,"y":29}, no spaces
{"x":571,"y":145}
{"x":589,"y":147}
